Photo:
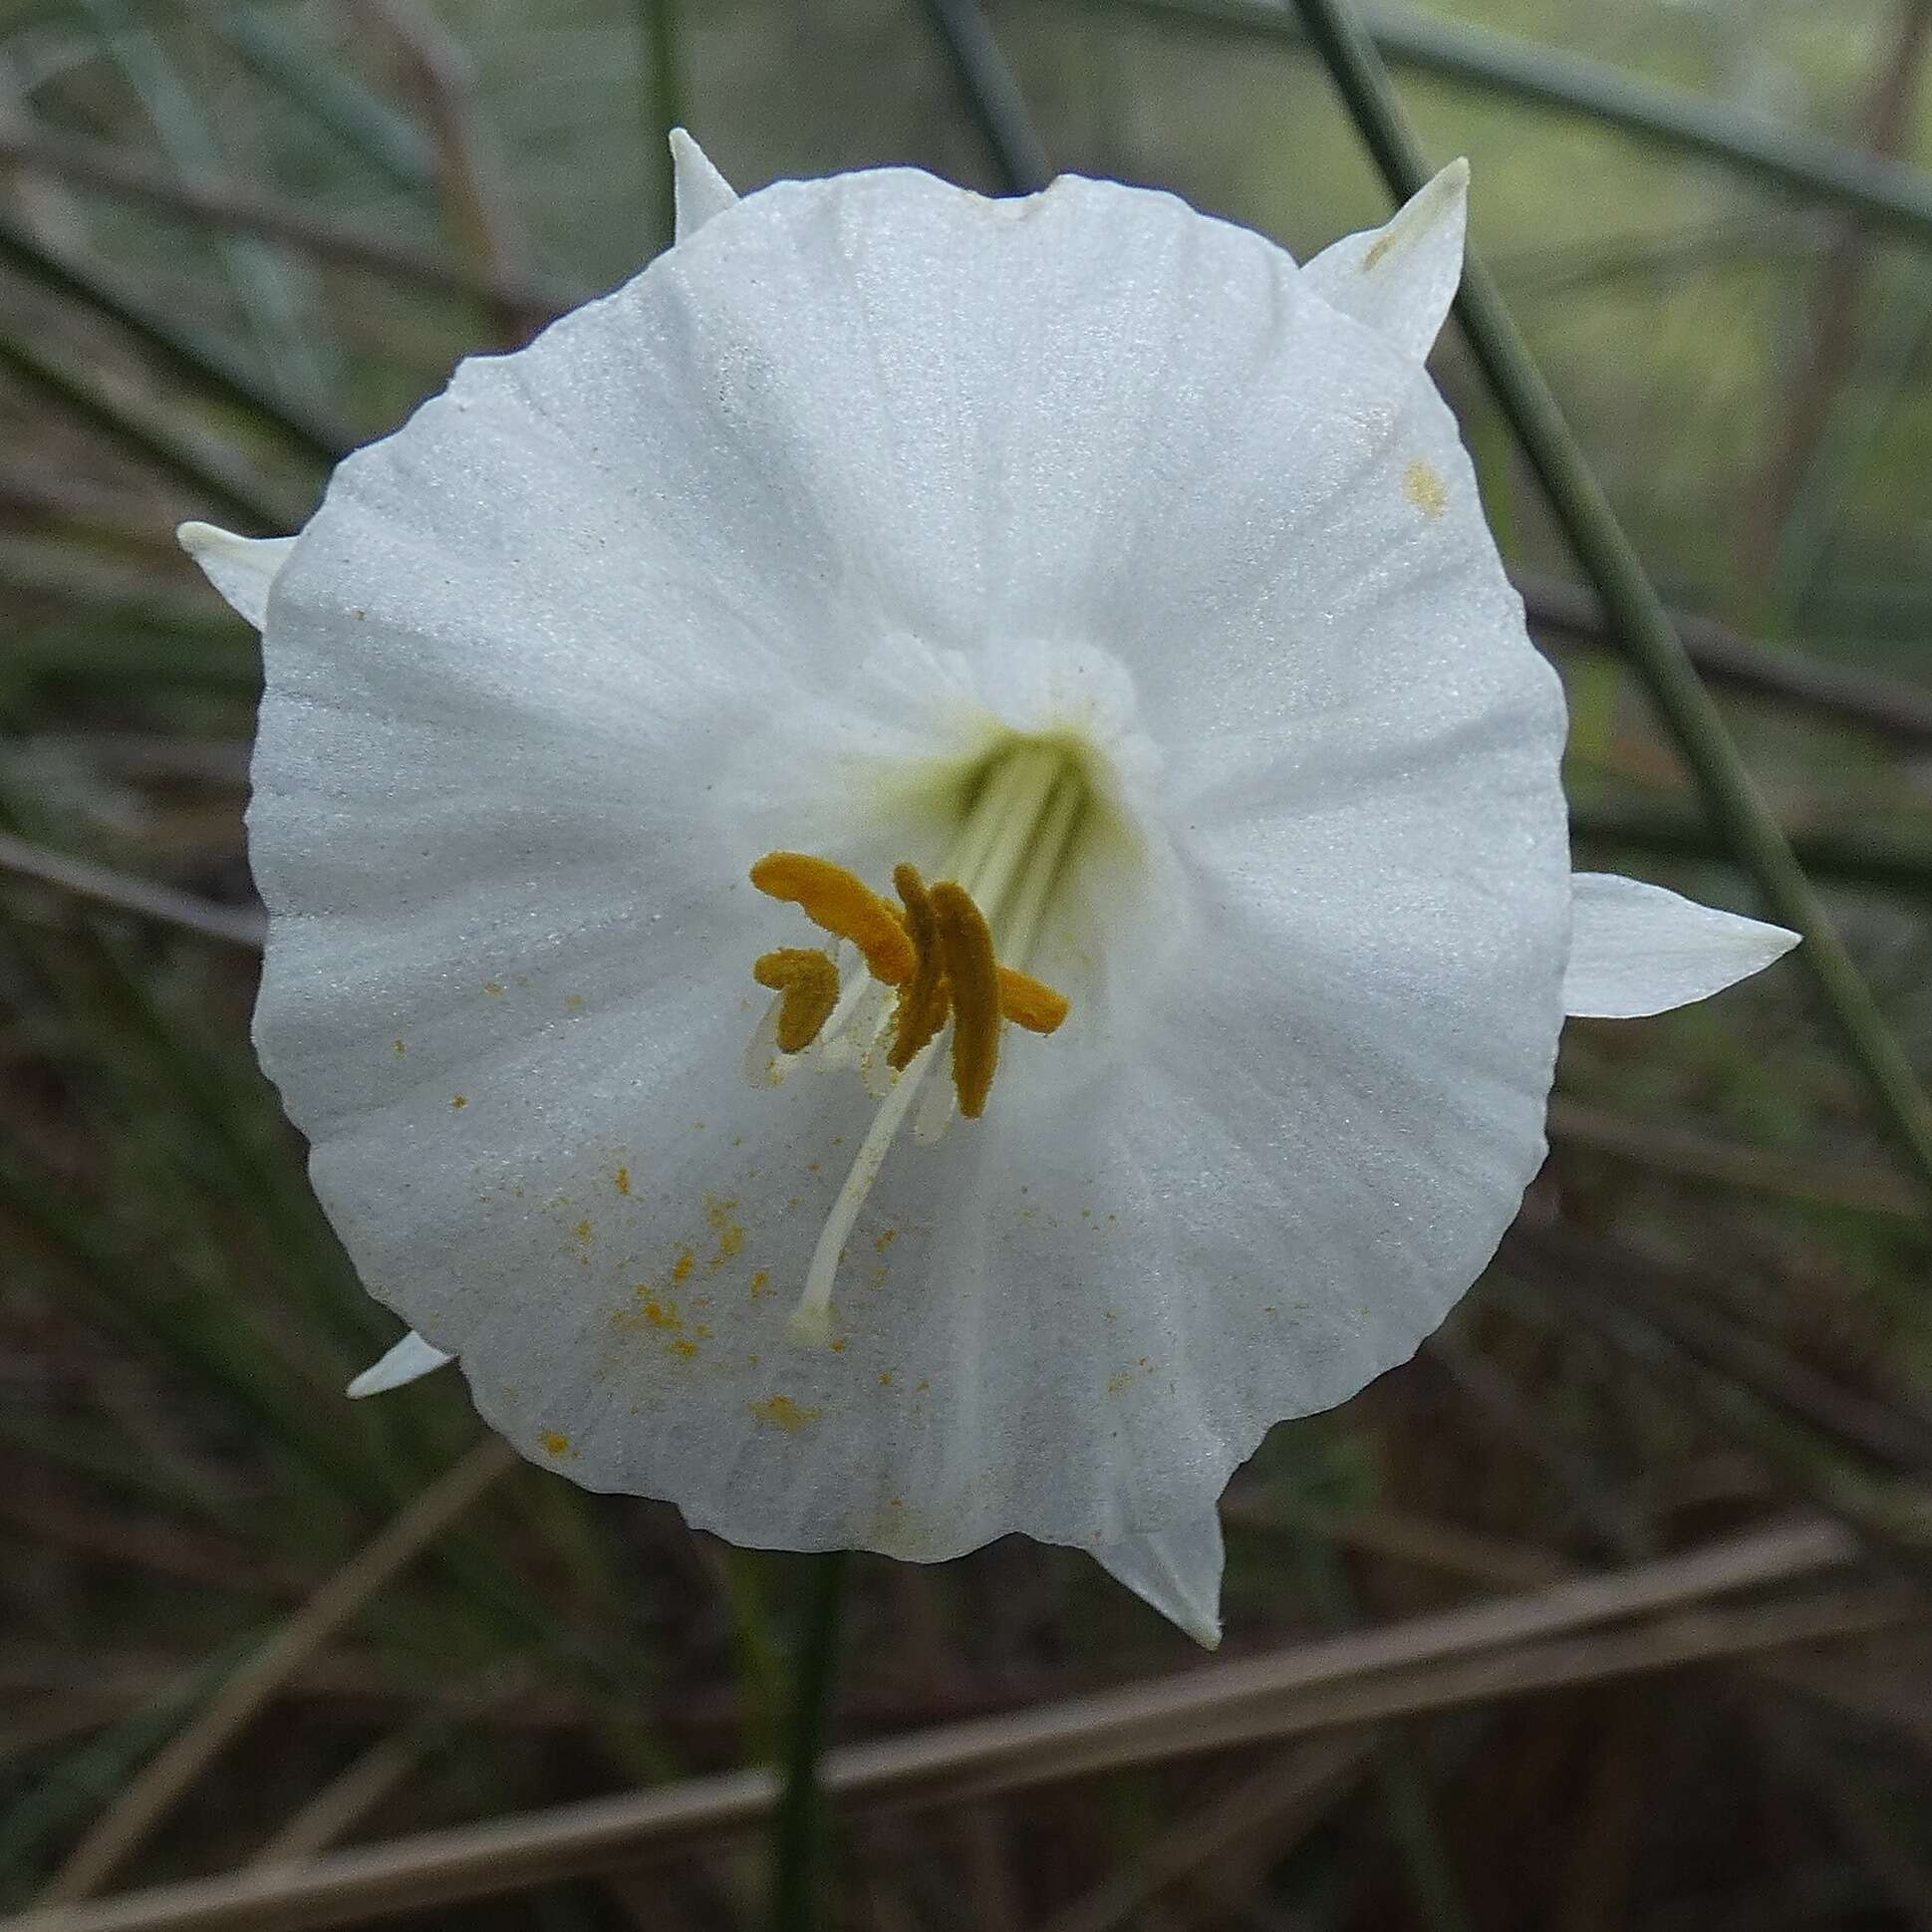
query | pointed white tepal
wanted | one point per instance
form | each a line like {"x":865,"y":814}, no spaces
{"x":701,"y":191}
{"x":242,"y":569}
{"x":1177,"y":1571}
{"x":1400,"y":279}
{"x":408,"y":1361}
{"x":1636,"y":949}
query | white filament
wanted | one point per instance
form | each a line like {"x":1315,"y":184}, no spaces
{"x":811,"y":1320}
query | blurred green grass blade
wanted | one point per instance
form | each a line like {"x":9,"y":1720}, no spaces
{"x":1883,"y":193}
{"x":285,"y":325}
{"x":991,"y":95}
{"x":137,"y":1295}
{"x":1408,"y":1813}
{"x":80,"y":1782}
{"x":1889,"y":1516}
{"x":1876,"y":857}
{"x":181,"y":351}
{"x":1895,"y":707}
{"x":141,"y":431}
{"x":662,"y":107}
{"x":1871,"y":390}
{"x":340,"y":103}
{"x":1631,"y":603}
{"x":136,"y":649}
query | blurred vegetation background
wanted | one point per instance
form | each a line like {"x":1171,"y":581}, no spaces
{"x":243,"y":1621}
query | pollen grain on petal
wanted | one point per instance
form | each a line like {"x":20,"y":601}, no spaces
{"x":923,"y":997}
{"x":1031,"y":1002}
{"x":783,"y":1413}
{"x":1423,"y":486}
{"x":965,"y":942}
{"x":839,"y":902}
{"x":808,"y":984}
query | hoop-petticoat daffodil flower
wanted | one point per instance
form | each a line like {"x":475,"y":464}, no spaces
{"x":1028,"y":682}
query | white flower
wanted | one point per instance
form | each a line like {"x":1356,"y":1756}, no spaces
{"x":1080,"y":550}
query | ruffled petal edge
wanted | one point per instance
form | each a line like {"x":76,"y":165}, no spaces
{"x":1637,"y":950}
{"x":242,"y":569}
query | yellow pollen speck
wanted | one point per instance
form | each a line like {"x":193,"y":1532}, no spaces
{"x":761,"y":1283}
{"x":584,"y":1230}
{"x":399,"y":1047}
{"x":922,"y":1387}
{"x":574,"y":1002}
{"x":839,"y":1346}
{"x":684,"y":1348}
{"x":622,"y":1180}
{"x":1115,"y":1383}
{"x":662,"y":1314}
{"x":494,"y":987}
{"x":783,"y":1413}
{"x":885,"y":1378}
{"x":554,"y":1444}
{"x":459,"y":1102}
{"x":1423,"y":486}
{"x":885,"y":1239}
{"x":681,"y":1268}
{"x":730,"y":1235}
{"x":704,"y":1331}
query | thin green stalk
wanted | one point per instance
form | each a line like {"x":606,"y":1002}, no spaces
{"x":991,"y":95}
{"x":1886,"y":195}
{"x":1891,"y":351}
{"x":800,"y":1831}
{"x":285,"y":324}
{"x":84,"y":395}
{"x":1408,"y":1809}
{"x":1870,"y":857}
{"x":339,"y":103}
{"x":663,"y":109}
{"x":183,"y":352}
{"x":1636,"y":614}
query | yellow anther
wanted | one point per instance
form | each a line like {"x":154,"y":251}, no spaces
{"x":842,"y":903}
{"x":966,"y":944}
{"x":923,"y":999}
{"x":1031,"y":1002}
{"x":809,"y":982}
{"x":938,"y":953}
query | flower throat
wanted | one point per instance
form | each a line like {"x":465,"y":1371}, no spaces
{"x":935,"y":955}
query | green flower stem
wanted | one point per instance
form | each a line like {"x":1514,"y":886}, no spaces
{"x":991,"y":95}
{"x":662,"y":111}
{"x":800,"y":1824}
{"x":1635,"y":614}
{"x":1883,"y":193}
